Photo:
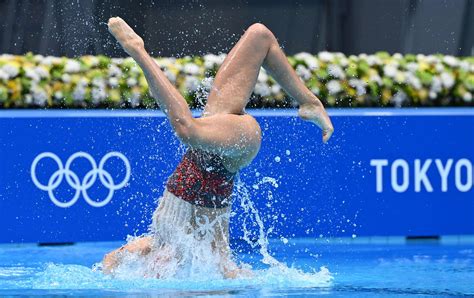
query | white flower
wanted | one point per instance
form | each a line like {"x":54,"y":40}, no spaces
{"x":315,"y":90}
{"x":4,"y":75}
{"x":11,"y":70}
{"x":436,"y":85}
{"x":467,"y":97}
{"x":50,"y":60}
{"x":464,"y":65}
{"x":302,"y":55}
{"x":117,"y":60}
{"x":94,"y":61}
{"x":413,"y":81}
{"x":312,"y":62}
{"x":275,"y":89}
{"x":135,"y":70}
{"x":114,"y":71}
{"x":303,"y":72}
{"x":98,"y":82}
{"x":28,"y":99}
{"x":191,"y":83}
{"x":42,"y":72}
{"x":39,"y":95}
{"x":333,"y":87}
{"x":221,"y":58}
{"x":83,"y":82}
{"x":343,"y":62}
{"x":165,"y":61}
{"x":363,"y":56}
{"x":170,"y":75}
{"x":132,"y":81}
{"x":72,"y":66}
{"x":431,"y":59}
{"x":113,"y":82}
{"x":447,"y":79}
{"x":439,"y":67}
{"x":262,"y":76}
{"x":262,"y":89}
{"x":400,"y":77}
{"x":376,"y":78}
{"x":420,"y":57}
{"x":359,"y":85}
{"x":66,"y":78}
{"x":38,"y":58}
{"x":211,"y":60}
{"x":412,"y":67}
{"x":336,"y":71}
{"x":79,"y":93}
{"x":397,"y":56}
{"x":433,"y":95}
{"x":191,"y":68}
{"x":373,"y":60}
{"x":399,"y":98}
{"x":135,"y":99}
{"x":31,"y":73}
{"x":390,"y":70}
{"x":450,"y":60}
{"x":325,"y":56}
{"x":98,"y":94}
{"x":308,"y":59}
{"x":58,"y":95}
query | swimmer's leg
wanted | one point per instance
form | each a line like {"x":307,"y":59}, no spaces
{"x":223,"y":135}
{"x":237,"y":76}
{"x":169,"y":99}
{"x":140,"y":245}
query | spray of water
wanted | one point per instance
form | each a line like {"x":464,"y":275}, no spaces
{"x":185,"y":246}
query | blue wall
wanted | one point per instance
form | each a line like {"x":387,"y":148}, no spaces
{"x":328,"y":190}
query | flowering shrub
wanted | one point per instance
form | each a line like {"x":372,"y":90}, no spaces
{"x":364,"y":80}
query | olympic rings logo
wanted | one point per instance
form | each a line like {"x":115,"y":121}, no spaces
{"x":73,"y":180}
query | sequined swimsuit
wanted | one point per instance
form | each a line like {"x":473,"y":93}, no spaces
{"x":201,"y":179}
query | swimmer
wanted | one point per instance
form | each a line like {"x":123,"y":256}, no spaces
{"x":196,"y":201}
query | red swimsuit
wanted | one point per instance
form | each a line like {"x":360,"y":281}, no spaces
{"x":201,"y":179}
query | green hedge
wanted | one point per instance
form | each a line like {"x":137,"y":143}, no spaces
{"x":35,"y":81}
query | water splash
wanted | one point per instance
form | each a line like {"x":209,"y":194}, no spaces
{"x":189,"y":248}
{"x":74,"y":277}
{"x":251,"y":212}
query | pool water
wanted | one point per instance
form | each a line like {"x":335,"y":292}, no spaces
{"x":315,"y":267}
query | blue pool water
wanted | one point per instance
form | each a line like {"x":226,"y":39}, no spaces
{"x":361,"y":270}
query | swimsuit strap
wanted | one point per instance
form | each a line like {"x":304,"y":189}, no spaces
{"x":202,"y":179}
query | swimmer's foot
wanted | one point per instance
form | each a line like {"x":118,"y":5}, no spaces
{"x":124,"y":34}
{"x":317,"y":114}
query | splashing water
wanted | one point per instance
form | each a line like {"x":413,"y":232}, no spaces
{"x":191,"y":252}
{"x":250,"y":211}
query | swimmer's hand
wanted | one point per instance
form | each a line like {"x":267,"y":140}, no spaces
{"x":317,"y":114}
{"x":124,"y":34}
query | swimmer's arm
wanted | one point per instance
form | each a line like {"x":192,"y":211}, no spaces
{"x":141,"y":245}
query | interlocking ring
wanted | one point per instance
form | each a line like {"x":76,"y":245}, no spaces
{"x":73,"y":180}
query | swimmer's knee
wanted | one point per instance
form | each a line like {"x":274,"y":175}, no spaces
{"x":260,"y":30}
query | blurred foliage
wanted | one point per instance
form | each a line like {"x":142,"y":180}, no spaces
{"x":35,"y":81}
